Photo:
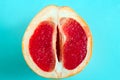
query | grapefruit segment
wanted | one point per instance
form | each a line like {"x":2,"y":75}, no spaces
{"x":74,"y":49}
{"x":40,"y":46}
{"x":57,"y":43}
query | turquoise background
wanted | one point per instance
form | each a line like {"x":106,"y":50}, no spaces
{"x":103,"y":17}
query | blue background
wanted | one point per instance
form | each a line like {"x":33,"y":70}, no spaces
{"x":103,"y":17}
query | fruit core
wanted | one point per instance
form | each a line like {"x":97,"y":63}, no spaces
{"x":71,"y":53}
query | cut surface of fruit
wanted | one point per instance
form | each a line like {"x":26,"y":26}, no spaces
{"x":40,"y":46}
{"x":57,"y":43}
{"x":75,"y":47}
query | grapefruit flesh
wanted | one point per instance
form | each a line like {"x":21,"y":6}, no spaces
{"x":40,"y":46}
{"x":75,"y":47}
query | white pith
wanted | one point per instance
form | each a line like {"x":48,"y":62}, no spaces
{"x":54,"y":13}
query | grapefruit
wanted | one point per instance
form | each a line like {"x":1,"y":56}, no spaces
{"x":57,"y":43}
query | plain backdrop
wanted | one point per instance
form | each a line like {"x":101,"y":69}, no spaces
{"x":102,"y":16}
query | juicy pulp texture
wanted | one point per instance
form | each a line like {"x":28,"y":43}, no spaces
{"x":40,"y":46}
{"x":75,"y":47}
{"x":73,"y":50}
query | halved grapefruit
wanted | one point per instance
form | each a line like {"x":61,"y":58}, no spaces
{"x":57,"y":43}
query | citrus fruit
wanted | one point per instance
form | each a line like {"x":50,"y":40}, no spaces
{"x":57,"y":43}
